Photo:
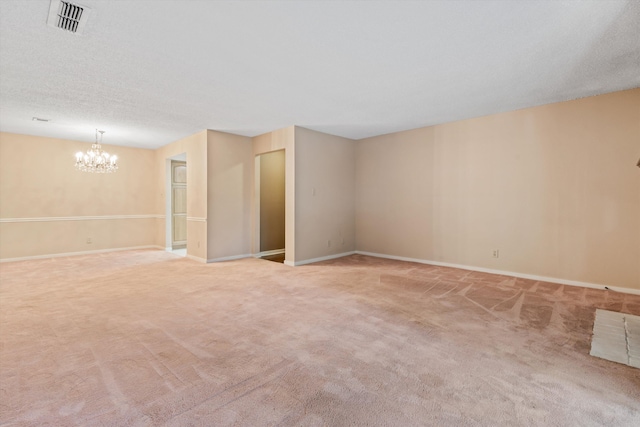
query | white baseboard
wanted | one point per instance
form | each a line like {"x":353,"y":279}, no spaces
{"x":195,"y":258}
{"x":505,"y":273}
{"x":65,"y":254}
{"x":269,"y":253}
{"x":228,"y":258}
{"x":323,"y":258}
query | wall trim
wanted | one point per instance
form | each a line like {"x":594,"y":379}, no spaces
{"x":269,"y":253}
{"x":78,"y":218}
{"x":322,"y":258}
{"x":66,"y":254}
{"x":229,"y":258}
{"x":195,"y":258}
{"x":196,"y":219}
{"x":505,"y":273}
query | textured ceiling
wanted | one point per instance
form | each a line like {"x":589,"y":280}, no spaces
{"x":152,"y":72}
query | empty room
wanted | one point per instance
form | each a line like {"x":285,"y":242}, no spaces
{"x":319,"y":213}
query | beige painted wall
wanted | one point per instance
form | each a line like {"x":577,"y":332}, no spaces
{"x":272,"y":200}
{"x":281,"y":139}
{"x":229,"y":194}
{"x":554,"y":188}
{"x":38,"y":182}
{"x":324,"y":194}
{"x":195,"y":147}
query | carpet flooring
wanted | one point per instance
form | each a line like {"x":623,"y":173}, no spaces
{"x":146,"y":338}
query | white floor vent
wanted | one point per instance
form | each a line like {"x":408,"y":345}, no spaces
{"x":616,"y":337}
{"x":68,"y":16}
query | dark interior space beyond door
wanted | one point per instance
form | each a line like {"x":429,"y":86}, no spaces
{"x":272,"y":202}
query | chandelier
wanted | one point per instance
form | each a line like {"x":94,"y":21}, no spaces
{"x":96,"y":160}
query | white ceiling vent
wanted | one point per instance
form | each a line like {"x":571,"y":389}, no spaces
{"x":68,"y":16}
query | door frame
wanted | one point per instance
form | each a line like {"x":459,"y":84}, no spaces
{"x":257,"y":250}
{"x":182,"y":244}
{"x":168,"y":229}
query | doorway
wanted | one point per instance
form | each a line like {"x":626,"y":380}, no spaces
{"x":178,"y":205}
{"x":272,"y":205}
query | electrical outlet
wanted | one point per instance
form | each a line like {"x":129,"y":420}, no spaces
{"x":89,"y":241}
{"x":496,"y":253}
{"x":328,"y":243}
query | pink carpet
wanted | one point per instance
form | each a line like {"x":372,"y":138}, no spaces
{"x":144,"y":338}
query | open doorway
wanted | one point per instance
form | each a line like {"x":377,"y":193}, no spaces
{"x":272,"y":205}
{"x":176,"y":205}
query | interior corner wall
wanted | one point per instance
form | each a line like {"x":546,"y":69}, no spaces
{"x":324,"y":195}
{"x":555,"y":189}
{"x":229,"y":189}
{"x":195,"y":147}
{"x":47,"y":207}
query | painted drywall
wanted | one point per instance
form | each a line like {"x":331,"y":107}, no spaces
{"x":272,"y":200}
{"x":47,"y":207}
{"x":229,"y":190}
{"x":554,"y":188}
{"x":195,"y":147}
{"x":324,"y":195}
{"x":281,"y":139}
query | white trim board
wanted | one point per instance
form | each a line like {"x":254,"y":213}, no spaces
{"x":269,"y":253}
{"x":78,"y":218}
{"x":505,"y":273}
{"x":195,"y":258}
{"x":65,"y":254}
{"x":323,"y":258}
{"x":228,"y":258}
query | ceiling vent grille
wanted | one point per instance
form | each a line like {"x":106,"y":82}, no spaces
{"x":68,"y":16}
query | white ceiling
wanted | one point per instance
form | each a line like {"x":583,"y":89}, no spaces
{"x":152,"y":72}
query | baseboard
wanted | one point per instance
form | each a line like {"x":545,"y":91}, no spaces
{"x":229,"y":258}
{"x":269,"y":253}
{"x":324,"y":258}
{"x":195,"y":258}
{"x":505,"y":273}
{"x":65,"y":254}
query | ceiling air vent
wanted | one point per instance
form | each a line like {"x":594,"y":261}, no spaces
{"x":68,"y":16}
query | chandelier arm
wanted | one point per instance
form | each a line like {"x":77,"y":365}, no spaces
{"x":96,"y":160}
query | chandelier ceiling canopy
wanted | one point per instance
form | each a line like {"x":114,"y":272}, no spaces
{"x":96,"y":160}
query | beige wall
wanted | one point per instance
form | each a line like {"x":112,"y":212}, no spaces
{"x":48,"y":207}
{"x":554,"y":188}
{"x":324,"y":195}
{"x":229,"y":195}
{"x":195,"y":147}
{"x":272,"y":200}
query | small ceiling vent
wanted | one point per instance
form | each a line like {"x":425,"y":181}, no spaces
{"x":68,"y":16}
